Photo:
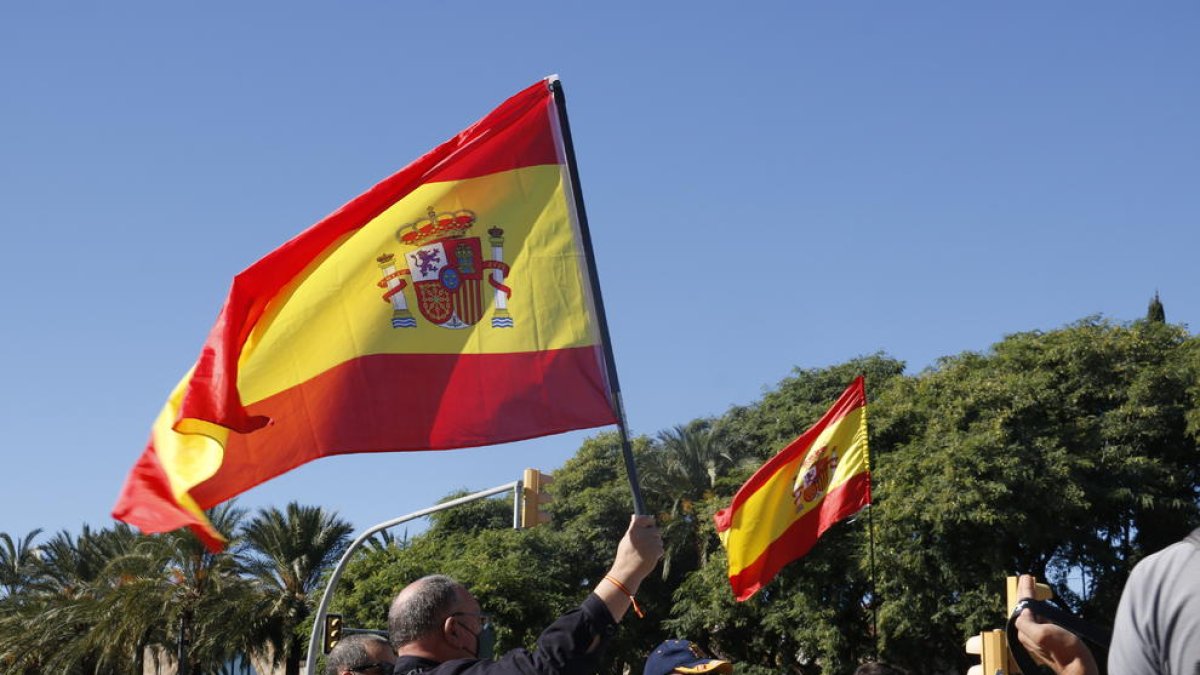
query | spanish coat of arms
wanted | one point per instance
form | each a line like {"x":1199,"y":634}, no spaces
{"x":448,"y":273}
{"x":816,"y":472}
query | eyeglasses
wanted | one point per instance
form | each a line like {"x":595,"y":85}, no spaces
{"x":484,"y":619}
{"x":381,"y":666}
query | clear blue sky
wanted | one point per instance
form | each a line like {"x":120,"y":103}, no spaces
{"x":784,"y":184}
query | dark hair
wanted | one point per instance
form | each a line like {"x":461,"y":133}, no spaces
{"x":351,"y":651}
{"x":421,"y":607}
{"x":876,"y":668}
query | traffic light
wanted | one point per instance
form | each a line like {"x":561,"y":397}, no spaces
{"x":993,"y":653}
{"x":333,"y":631}
{"x":533,"y":496}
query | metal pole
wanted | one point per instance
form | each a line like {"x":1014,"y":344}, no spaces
{"x":183,"y":645}
{"x":317,"y":635}
{"x":875,"y":601}
{"x":518,"y":503}
{"x":560,"y":104}
{"x":874,"y":587}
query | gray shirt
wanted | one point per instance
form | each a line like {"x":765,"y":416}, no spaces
{"x":1157,"y":631}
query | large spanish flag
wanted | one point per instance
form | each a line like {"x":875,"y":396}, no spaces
{"x":817,"y":480}
{"x":448,"y":306}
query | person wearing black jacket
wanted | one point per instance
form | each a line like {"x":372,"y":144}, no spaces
{"x":438,"y":627}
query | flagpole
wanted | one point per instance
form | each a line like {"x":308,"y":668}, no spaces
{"x":560,"y":104}
{"x":871,"y":550}
{"x":871,"y":541}
{"x":874,"y":595}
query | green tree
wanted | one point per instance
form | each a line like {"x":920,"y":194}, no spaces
{"x":495,"y":513}
{"x":97,"y":601}
{"x":288,"y":551}
{"x":18,"y":560}
{"x":1155,"y":312}
{"x":682,"y":470}
{"x":1055,"y":453}
{"x":1068,"y":453}
{"x":814,"y":617}
{"x":172,"y":593}
{"x":48,"y":627}
{"x":523,"y":578}
{"x":592,"y":506}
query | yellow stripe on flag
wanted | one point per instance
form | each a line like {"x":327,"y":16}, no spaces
{"x":191,"y":458}
{"x":336,"y":311}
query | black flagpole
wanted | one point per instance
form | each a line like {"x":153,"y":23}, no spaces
{"x":560,"y":104}
{"x":874,"y":588}
{"x":871,"y":546}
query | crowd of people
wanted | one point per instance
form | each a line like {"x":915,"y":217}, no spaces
{"x":437,"y":627}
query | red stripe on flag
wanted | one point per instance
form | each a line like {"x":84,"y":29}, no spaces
{"x":520,"y":128}
{"x":373,"y":404}
{"x":802,"y":535}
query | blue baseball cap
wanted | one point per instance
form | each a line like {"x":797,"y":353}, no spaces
{"x":681,"y":656}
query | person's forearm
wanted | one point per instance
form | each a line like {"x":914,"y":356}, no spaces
{"x":617,"y":592}
{"x":637,"y":554}
{"x":1084,"y":664}
{"x":1077,"y":668}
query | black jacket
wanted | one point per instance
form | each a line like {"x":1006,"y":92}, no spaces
{"x":562,"y":649}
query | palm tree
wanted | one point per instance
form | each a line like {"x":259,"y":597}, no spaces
{"x":384,"y":540}
{"x":50,"y":628}
{"x":694,"y":454}
{"x":96,"y":602}
{"x":17,"y":562}
{"x":68,"y":566}
{"x":123,"y":592}
{"x":175,"y":594}
{"x":288,"y":553}
{"x":684,"y":468}
{"x":18,"y":569}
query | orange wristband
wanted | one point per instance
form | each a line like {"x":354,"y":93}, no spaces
{"x":633,"y":601}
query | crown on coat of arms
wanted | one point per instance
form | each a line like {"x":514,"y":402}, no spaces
{"x":436,"y":226}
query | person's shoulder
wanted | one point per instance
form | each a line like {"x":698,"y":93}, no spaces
{"x":1188,"y":547}
{"x":413,"y":664}
{"x":1172,"y":560}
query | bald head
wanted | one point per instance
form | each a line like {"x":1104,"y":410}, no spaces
{"x":355,"y":651}
{"x":421,"y":607}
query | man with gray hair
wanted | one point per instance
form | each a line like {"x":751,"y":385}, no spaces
{"x":360,"y":654}
{"x":438,"y":627}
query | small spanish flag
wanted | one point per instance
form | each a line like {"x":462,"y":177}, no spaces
{"x":817,"y":480}
{"x":448,"y":306}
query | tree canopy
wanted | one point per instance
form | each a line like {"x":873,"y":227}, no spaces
{"x":1069,"y":454}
